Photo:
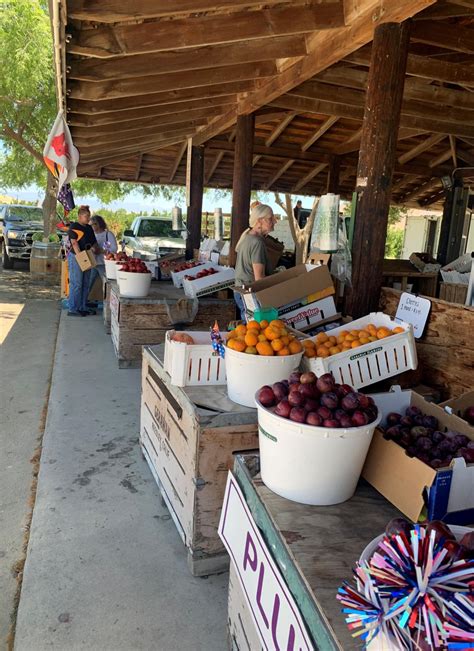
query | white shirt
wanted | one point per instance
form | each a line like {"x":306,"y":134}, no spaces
{"x":106,"y":240}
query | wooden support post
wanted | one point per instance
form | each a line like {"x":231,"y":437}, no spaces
{"x":195,"y":186}
{"x":242,"y":181}
{"x":376,"y":163}
{"x":333,"y":175}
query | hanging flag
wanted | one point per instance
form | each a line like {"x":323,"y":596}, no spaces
{"x":66,"y":198}
{"x":59,"y":154}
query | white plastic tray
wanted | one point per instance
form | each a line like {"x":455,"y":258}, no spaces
{"x":371,"y":362}
{"x":209,"y":284}
{"x":193,"y":365}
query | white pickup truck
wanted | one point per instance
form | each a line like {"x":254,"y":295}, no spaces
{"x":153,"y":235}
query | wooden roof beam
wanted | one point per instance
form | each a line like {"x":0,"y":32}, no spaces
{"x":326,"y":125}
{"x":445,"y":156}
{"x":444,"y":35}
{"x":281,"y":170}
{"x":169,"y":82}
{"x":177,"y":161}
{"x":132,"y":147}
{"x":202,"y":30}
{"x":309,"y":177}
{"x":429,"y":185}
{"x":115,"y":11}
{"x":324,"y":50}
{"x":138,"y":167}
{"x":421,"y":147}
{"x":217,"y":160}
{"x":452,"y":146}
{"x":446,"y":10}
{"x":279,"y":129}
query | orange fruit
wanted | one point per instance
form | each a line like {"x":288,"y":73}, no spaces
{"x":355,"y":344}
{"x":346,"y":345}
{"x":372,"y":338}
{"x":284,"y":351}
{"x":363,"y":334}
{"x":277,"y":323}
{"x":334,"y":350}
{"x":341,"y":339}
{"x":261,"y":337}
{"x":308,"y":343}
{"x":364,"y":340}
{"x":322,"y":351}
{"x":397,"y":330}
{"x":383,"y":332}
{"x":271,"y":333}
{"x":371,"y":329}
{"x":286,"y":340}
{"x":277,"y":345}
{"x":310,"y":352}
{"x":355,"y":333}
{"x":343,"y":333}
{"x":321,"y":337}
{"x":283,"y":332}
{"x":251,"y":350}
{"x":295,"y":347}
{"x":263,"y":324}
{"x":237,"y":344}
{"x":241,"y":330}
{"x":350,"y":337}
{"x":327,"y":344}
{"x":333,"y":340}
{"x":264,"y":348}
{"x":231,"y":335}
{"x":251,"y":338}
{"x":253,"y":324}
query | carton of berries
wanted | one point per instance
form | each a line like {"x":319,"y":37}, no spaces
{"x":362,"y":352}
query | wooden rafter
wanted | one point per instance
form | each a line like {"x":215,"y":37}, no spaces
{"x":279,"y":129}
{"x":421,"y":147}
{"x":201,"y":30}
{"x":452,"y":145}
{"x":138,"y":167}
{"x":451,"y":37}
{"x":217,"y":160}
{"x":309,"y":177}
{"x":445,"y":156}
{"x":421,"y":189}
{"x":281,"y":170}
{"x":177,"y":161}
{"x":326,"y":125}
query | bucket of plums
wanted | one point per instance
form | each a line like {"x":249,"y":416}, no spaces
{"x":412,"y":588}
{"x":112,"y":262}
{"x":134,"y":279}
{"x":314,"y":435}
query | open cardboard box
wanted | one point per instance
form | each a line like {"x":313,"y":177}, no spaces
{"x":303,"y":295}
{"x":457,"y":407}
{"x":408,"y":483}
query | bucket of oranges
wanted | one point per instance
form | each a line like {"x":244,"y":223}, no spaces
{"x":259,"y":353}
{"x":362,"y":352}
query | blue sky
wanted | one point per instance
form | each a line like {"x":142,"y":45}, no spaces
{"x":135,"y":202}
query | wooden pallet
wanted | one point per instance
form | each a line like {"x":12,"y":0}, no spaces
{"x":138,"y":322}
{"x":190,"y":446}
{"x":453,"y":292}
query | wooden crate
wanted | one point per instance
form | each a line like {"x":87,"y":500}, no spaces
{"x":453,"y":292}
{"x":242,"y":632}
{"x":106,"y":308}
{"x":446,"y":351}
{"x":138,"y":322}
{"x":189,"y":449}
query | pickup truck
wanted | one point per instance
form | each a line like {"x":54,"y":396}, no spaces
{"x":17,"y":227}
{"x":153,"y":235}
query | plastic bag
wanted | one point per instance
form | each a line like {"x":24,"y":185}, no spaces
{"x":325,"y":230}
{"x":184,"y":311}
{"x":341,"y":260}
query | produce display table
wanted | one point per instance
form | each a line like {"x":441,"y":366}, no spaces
{"x":138,"y":322}
{"x":106,"y":309}
{"x":189,"y":437}
{"x":315,"y":549}
{"x":403,"y":271}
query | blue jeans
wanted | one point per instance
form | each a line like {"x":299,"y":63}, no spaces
{"x":239,"y":301}
{"x":99,"y":270}
{"x":78,"y":285}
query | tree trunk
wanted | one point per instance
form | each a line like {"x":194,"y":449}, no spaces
{"x":300,"y":235}
{"x":49,"y":206}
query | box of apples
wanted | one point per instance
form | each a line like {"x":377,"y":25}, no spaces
{"x":422,"y":457}
{"x":181,"y":270}
{"x":200,"y":282}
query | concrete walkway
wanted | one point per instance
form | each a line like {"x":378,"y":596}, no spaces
{"x":106,"y":569}
{"x":28,"y":328}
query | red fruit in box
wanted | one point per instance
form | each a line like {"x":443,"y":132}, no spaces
{"x":298,"y":414}
{"x":308,"y":378}
{"x":312,"y":418}
{"x":325,"y":383}
{"x":329,"y":400}
{"x":280,"y":390}
{"x":325,"y":413}
{"x":363,"y":400}
{"x":311,"y":404}
{"x":296,"y":399}
{"x":295,"y":377}
{"x":283,"y":408}
{"x":345,"y":421}
{"x":331,"y":422}
{"x":343,"y":389}
{"x":359,"y":418}
{"x":350,"y":401}
{"x":266,"y":396}
{"x":306,"y":390}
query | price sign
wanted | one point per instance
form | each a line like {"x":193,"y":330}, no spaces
{"x":415,"y":310}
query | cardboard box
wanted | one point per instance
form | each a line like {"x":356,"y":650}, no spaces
{"x":410,"y":484}
{"x":457,"y":407}
{"x":96,"y":293}
{"x":424,"y":262}
{"x":86,"y":260}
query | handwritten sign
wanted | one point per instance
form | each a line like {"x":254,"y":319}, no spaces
{"x":274,"y":611}
{"x":415,"y":310}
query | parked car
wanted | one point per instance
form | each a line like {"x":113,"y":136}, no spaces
{"x":153,"y":235}
{"x":17,"y":227}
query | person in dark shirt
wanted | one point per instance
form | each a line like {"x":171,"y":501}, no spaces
{"x":297,"y":210}
{"x":82,"y":238}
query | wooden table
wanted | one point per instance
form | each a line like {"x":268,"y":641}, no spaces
{"x":314,"y":547}
{"x":138,"y":322}
{"x":403,"y":271}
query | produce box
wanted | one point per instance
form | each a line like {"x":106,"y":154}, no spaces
{"x":195,"y":364}
{"x":208,"y":284}
{"x":178,"y":274}
{"x":410,"y":484}
{"x":453,"y":292}
{"x":457,"y":407}
{"x":189,"y":438}
{"x":166,"y":263}
{"x":424,"y":262}
{"x":459,"y":270}
{"x":372,"y":362}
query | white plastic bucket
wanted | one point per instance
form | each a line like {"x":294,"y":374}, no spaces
{"x":111,"y":269}
{"x":308,"y":464}
{"x":133,"y":285}
{"x":247,"y":373}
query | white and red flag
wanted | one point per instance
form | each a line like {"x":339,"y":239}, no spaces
{"x":59,"y":154}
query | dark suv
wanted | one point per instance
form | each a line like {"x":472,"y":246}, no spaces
{"x":17,"y":226}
